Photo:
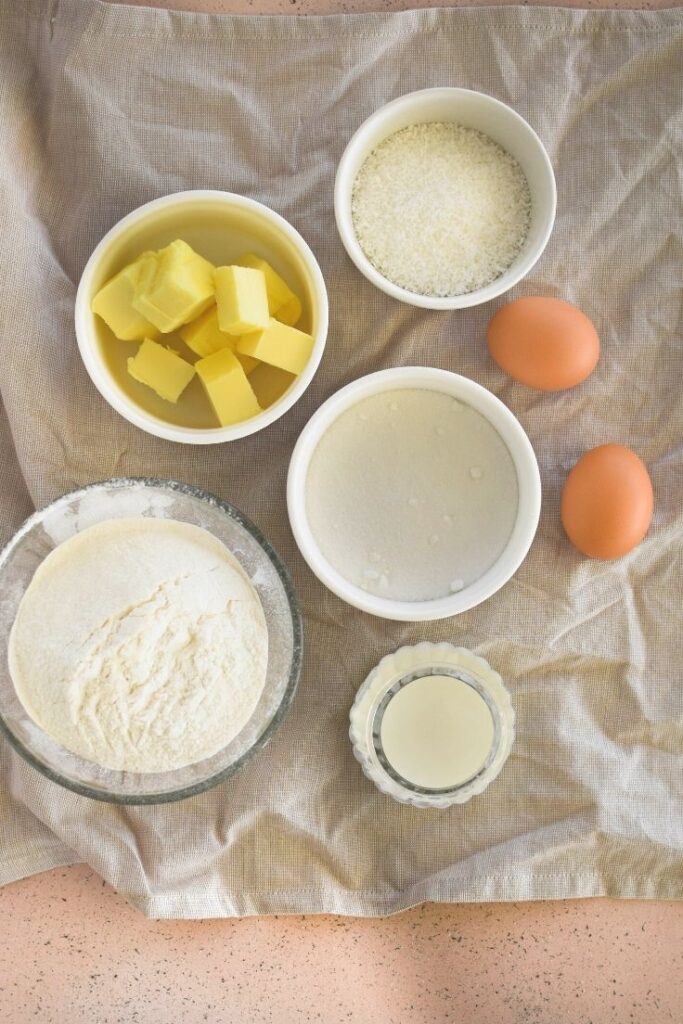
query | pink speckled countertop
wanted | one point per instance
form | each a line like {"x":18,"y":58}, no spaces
{"x":72,"y":950}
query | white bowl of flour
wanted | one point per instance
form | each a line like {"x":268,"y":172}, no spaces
{"x":153,"y":641}
{"x":414,"y":494}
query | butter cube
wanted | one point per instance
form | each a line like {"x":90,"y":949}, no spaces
{"x":290,"y":313}
{"x":161,"y":369}
{"x":242,"y":299}
{"x":180,"y":288}
{"x":114,"y":301}
{"x":205,"y":337}
{"x":281,"y":298}
{"x":280,"y":345}
{"x":227,"y":387}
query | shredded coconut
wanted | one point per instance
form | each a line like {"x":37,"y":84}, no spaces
{"x":440,"y":209}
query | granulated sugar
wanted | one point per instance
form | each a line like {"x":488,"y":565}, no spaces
{"x":440,"y":209}
{"x":411,"y":495}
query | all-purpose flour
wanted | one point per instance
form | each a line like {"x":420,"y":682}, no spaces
{"x":140,"y":644}
{"x":411,"y":494}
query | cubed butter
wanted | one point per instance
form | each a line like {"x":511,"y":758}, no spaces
{"x":281,"y":298}
{"x":280,"y":345}
{"x":242,"y":299}
{"x":181,"y":288}
{"x":290,"y":313}
{"x":205,"y":337}
{"x":114,"y":301}
{"x":161,"y":369}
{"x":227,"y":387}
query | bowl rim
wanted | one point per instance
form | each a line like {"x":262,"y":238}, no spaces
{"x":129,"y":409}
{"x":125,"y":799}
{"x":512,"y":434}
{"x":343,"y":187}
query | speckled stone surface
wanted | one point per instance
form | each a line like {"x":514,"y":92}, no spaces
{"x":73,"y":951}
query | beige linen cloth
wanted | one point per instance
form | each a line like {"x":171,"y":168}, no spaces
{"x":103,"y":108}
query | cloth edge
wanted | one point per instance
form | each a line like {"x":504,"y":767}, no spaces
{"x":147,"y":22}
{"x":371,"y":905}
{"x":15,"y":869}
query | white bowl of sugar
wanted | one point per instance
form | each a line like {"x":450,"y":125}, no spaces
{"x":445,"y":198}
{"x":413,"y":494}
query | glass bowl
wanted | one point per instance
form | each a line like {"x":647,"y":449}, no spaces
{"x":164,"y":499}
{"x":405,"y":666}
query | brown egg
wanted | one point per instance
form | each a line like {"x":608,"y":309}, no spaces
{"x":545,"y":343}
{"x":607,"y":502}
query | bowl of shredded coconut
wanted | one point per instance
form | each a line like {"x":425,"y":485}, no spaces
{"x":153,"y":641}
{"x":445,"y":198}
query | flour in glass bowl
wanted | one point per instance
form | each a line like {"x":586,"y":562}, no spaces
{"x":440,"y":209}
{"x":140,"y":644}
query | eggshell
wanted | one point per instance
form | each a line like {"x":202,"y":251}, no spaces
{"x":545,"y":343}
{"x":607,"y":502}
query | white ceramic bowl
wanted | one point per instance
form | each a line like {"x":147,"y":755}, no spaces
{"x":473,"y":110}
{"x":221,"y":226}
{"x":528,"y":483}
